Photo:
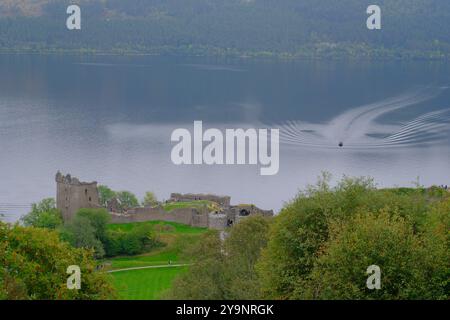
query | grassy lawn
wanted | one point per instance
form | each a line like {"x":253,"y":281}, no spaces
{"x":146,"y":284}
{"x":175,"y":239}
{"x":177,"y":228}
{"x":160,"y":257}
{"x":188,"y":204}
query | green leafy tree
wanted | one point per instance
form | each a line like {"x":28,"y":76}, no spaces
{"x":206,"y":277}
{"x":138,"y":240}
{"x":302,"y":228}
{"x":80,"y":233}
{"x":243,"y":249}
{"x":105,"y":194}
{"x":99,"y":219}
{"x":43,"y":215}
{"x":298,"y":28}
{"x":150,"y":199}
{"x":33,"y":265}
{"x":225,"y":270}
{"x":113,"y":243}
{"x":127,"y":199}
{"x":131,"y":244}
{"x":387,"y":241}
{"x":436,"y":239}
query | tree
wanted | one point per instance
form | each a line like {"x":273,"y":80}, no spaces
{"x":105,"y":194}
{"x":113,"y":243}
{"x":34,"y":262}
{"x":99,"y":219}
{"x":43,"y":215}
{"x":80,"y":233}
{"x":127,"y":199}
{"x":436,"y":239}
{"x":315,"y":28}
{"x":150,"y":199}
{"x":300,"y":231}
{"x":206,"y":276}
{"x":243,"y":248}
{"x":383,"y":239}
{"x":135,"y":241}
{"x":225,"y":270}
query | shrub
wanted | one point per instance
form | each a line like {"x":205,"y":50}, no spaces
{"x":87,"y":230}
{"x":127,"y":199}
{"x":43,"y":215}
{"x":206,"y":277}
{"x":99,"y":219}
{"x":113,"y":243}
{"x":80,"y":233}
{"x":385,"y":240}
{"x":150,"y":199}
{"x":163,"y":227}
{"x":224,"y":270}
{"x":105,"y":194}
{"x":302,"y":228}
{"x":33,"y":265}
{"x":136,"y":241}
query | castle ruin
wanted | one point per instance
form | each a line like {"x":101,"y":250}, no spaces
{"x":72,"y":195}
{"x":220,"y":200}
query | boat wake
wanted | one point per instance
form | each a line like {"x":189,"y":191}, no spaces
{"x":358,"y":128}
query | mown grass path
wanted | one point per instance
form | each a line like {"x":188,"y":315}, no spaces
{"x":147,"y":276}
{"x":145,"y":284}
{"x":150,"y":267}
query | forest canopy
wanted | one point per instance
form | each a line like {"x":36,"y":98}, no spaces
{"x":288,"y":28}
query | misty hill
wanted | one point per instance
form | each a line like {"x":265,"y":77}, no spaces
{"x":410,"y":28}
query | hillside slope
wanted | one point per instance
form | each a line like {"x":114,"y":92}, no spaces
{"x":410,"y":28}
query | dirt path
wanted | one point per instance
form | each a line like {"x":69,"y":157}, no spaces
{"x":150,"y":267}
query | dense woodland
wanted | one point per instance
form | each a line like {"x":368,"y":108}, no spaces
{"x":287,"y":28}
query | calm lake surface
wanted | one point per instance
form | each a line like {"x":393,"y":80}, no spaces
{"x":109,"y":119}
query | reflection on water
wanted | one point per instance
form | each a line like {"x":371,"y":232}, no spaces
{"x":113,"y":123}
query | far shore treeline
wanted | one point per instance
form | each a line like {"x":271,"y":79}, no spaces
{"x":262,"y":28}
{"x":319,"y":246}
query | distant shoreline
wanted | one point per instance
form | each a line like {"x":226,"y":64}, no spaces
{"x":379,"y":54}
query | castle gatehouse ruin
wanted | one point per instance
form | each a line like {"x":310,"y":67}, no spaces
{"x":212,"y":211}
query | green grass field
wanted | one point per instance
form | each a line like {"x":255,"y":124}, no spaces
{"x":177,"y":228}
{"x":188,"y":204}
{"x":148,"y":284}
{"x":159,"y":257}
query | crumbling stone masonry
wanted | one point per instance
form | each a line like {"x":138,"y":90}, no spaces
{"x":221,"y":200}
{"x":72,"y":195}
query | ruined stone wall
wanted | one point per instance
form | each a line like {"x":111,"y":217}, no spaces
{"x":200,"y":219}
{"x":217,"y":221}
{"x":72,"y":195}
{"x":235,"y":214}
{"x":245,"y":210}
{"x":178,"y":197}
{"x":188,"y":216}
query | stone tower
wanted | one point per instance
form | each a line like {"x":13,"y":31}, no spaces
{"x":72,"y":195}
